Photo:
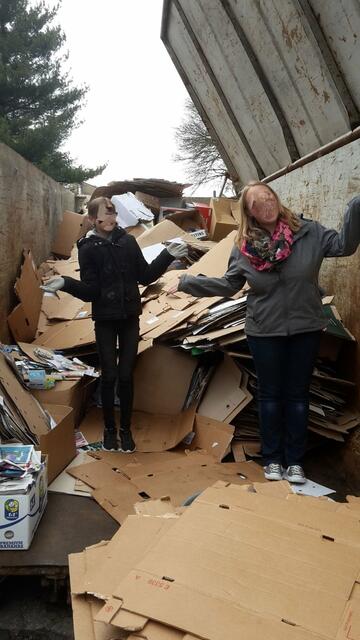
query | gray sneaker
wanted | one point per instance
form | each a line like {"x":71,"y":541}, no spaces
{"x":273,"y":471}
{"x":295,"y":473}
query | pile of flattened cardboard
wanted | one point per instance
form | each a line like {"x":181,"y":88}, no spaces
{"x":180,"y":335}
{"x":252,"y":561}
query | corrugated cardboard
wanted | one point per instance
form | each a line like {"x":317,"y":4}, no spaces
{"x":27,"y":288}
{"x":19,"y":324}
{"x":225,"y":396}
{"x":59,"y":443}
{"x":98,"y":569}
{"x":231,"y":567}
{"x":165,"y":230}
{"x":68,"y":393}
{"x":161,"y":380}
{"x":151,"y":431}
{"x":187,"y":220}
{"x":212,"y":436}
{"x":69,"y":230}
{"x":63,"y":306}
{"x":183,"y":481}
{"x":149,"y":201}
{"x":23,"y":320}
{"x":159,"y":432}
{"x":215,"y":262}
{"x":68,"y":335}
{"x":222,"y":220}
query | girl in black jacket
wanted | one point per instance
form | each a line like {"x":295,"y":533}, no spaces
{"x":111,"y":266}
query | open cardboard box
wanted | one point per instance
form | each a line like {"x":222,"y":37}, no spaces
{"x":222,"y":218}
{"x":20,"y":513}
{"x":68,"y":393}
{"x":59,"y":443}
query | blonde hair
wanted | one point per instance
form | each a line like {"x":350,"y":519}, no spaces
{"x":248,"y":228}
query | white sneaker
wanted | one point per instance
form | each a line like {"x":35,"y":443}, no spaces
{"x":273,"y":471}
{"x":295,"y":473}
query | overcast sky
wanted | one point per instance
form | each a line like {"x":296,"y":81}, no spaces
{"x":136,"y":97}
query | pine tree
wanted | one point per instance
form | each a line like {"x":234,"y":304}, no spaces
{"x":38,"y":103}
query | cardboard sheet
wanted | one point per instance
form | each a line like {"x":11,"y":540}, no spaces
{"x":215,"y":262}
{"x":23,"y":320}
{"x":212,"y":436}
{"x":69,"y":230}
{"x":19,"y":324}
{"x":27,"y":288}
{"x":224,"y":397}
{"x":59,"y":443}
{"x":151,"y":431}
{"x":68,"y":335}
{"x":293,"y":581}
{"x":63,"y":306}
{"x":162,"y":232}
{"x":98,"y":569}
{"x":162,"y":379}
{"x":159,"y":432}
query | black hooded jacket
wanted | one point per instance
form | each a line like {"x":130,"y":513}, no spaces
{"x":110,"y":272}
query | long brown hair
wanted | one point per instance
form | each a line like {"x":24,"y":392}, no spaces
{"x":248,"y":228}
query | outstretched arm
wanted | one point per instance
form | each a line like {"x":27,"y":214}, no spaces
{"x":228,"y":285}
{"x":346,"y":241}
{"x":148,"y":273}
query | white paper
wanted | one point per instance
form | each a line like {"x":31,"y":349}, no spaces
{"x":311,"y":488}
{"x":65,"y":483}
{"x":152,"y":252}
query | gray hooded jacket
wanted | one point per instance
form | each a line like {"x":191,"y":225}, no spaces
{"x":286,"y":300}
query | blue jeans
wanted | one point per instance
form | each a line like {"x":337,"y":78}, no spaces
{"x":284,"y":366}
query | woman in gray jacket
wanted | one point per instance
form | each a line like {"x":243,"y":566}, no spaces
{"x":279,"y":255}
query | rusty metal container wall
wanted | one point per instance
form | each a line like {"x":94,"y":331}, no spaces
{"x":275,"y":79}
{"x":241,"y":88}
{"x":201,"y":86}
{"x":341,"y":22}
{"x":31,"y":206}
{"x":321,"y":190}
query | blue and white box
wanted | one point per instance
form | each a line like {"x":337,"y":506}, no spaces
{"x":21,"y":511}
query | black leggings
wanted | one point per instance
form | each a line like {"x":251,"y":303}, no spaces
{"x":108,"y":332}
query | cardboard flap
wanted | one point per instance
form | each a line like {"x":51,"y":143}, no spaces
{"x":162,"y":232}
{"x":212,"y":436}
{"x":156,"y":432}
{"x":19,"y":324}
{"x":161,"y":380}
{"x":69,"y":230}
{"x":224,"y":396}
{"x":67,"y":335}
{"x":27,"y":288}
{"x":215,"y":262}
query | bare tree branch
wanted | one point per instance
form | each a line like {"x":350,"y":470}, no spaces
{"x":197,"y":150}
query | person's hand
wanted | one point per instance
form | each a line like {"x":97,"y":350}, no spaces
{"x":173,"y":289}
{"x":177,"y":250}
{"x":53,"y":284}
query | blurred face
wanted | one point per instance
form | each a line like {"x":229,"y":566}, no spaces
{"x":105,"y":221}
{"x":263,"y":206}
